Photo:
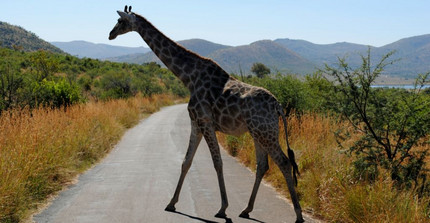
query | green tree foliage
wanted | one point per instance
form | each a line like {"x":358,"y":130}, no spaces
{"x":43,"y":78}
{"x":147,"y":84}
{"x":260,"y":70}
{"x":391,"y":122}
{"x":10,"y":83}
{"x":321,"y":95}
{"x":294,"y":94}
{"x":85,"y":82}
{"x":56,"y":94}
{"x":44,"y":64}
{"x":116,"y":85}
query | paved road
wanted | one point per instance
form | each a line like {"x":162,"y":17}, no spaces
{"x":135,"y":182}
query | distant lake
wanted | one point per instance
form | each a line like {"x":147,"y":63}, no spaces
{"x":404,"y":86}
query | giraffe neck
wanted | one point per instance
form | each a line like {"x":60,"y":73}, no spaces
{"x":174,"y":56}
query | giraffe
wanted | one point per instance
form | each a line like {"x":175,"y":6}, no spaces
{"x":219,"y":102}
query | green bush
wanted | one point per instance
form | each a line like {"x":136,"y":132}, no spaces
{"x":312,"y":94}
{"x":321,"y":96}
{"x":85,"y":82}
{"x":10,"y":83}
{"x":42,"y":78}
{"x":116,"y":85}
{"x":146,"y":83}
{"x":55,"y":93}
{"x":391,"y":122}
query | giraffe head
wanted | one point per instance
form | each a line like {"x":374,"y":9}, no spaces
{"x":125,"y":23}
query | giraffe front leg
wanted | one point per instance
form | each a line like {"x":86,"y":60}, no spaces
{"x":195,"y":139}
{"x":210,"y":136}
{"x":262,"y":167}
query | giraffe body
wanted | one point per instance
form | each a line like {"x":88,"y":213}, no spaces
{"x":218,"y":102}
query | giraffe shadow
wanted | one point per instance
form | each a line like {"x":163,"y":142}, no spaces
{"x":227,"y":220}
{"x":253,"y":219}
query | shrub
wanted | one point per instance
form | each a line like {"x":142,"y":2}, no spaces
{"x":290,"y":91}
{"x":390,"y":122}
{"x":116,"y":85}
{"x":85,"y":82}
{"x":55,"y":93}
{"x":10,"y":83}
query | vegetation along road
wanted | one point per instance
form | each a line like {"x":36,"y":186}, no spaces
{"x":136,"y":180}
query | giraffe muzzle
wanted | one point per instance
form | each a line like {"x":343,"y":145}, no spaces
{"x":112,"y":36}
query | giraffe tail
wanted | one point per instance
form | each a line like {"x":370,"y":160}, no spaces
{"x":291,"y":155}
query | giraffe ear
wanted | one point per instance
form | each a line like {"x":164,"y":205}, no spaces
{"x":125,"y":15}
{"x":122,"y":14}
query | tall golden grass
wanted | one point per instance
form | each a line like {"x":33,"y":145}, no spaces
{"x":43,"y":149}
{"x":327,"y":187}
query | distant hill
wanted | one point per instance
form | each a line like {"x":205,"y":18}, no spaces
{"x":272,"y":54}
{"x":323,"y":53}
{"x":232,"y":59}
{"x":97,"y":51}
{"x":413,"y":54}
{"x":409,"y":45}
{"x":17,"y":37}
{"x":202,"y":47}
{"x":292,"y":56}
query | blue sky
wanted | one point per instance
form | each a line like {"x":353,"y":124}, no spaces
{"x":229,"y":22}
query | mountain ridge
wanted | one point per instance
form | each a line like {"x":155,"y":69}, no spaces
{"x":280,"y":55}
{"x":412,"y":53}
{"x":83,"y":48}
{"x":276,"y":57}
{"x":16,"y":37}
{"x":236,"y":59}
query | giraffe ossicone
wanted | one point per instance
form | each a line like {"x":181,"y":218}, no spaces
{"x":219,"y":102}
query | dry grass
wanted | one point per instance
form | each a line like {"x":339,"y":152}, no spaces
{"x":43,"y":149}
{"x":327,"y":187}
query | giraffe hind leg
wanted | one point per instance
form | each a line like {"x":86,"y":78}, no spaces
{"x":262,"y":167}
{"x":285,"y":166}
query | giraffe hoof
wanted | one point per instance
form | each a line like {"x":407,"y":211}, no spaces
{"x":244,"y":215}
{"x":170,"y":208}
{"x":221,"y":215}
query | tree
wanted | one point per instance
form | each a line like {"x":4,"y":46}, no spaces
{"x":116,"y":85}
{"x":44,"y":64}
{"x":55,"y":94}
{"x":260,"y":70}
{"x":10,"y":83}
{"x":390,"y":122}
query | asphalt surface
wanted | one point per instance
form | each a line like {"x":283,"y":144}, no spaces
{"x":136,"y":181}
